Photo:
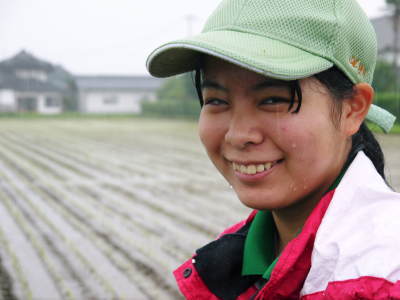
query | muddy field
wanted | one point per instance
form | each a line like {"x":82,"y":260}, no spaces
{"x":97,"y":209}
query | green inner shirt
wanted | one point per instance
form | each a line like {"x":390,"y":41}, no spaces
{"x":258,"y":256}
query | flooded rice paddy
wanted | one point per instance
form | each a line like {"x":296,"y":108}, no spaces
{"x":106,"y":209}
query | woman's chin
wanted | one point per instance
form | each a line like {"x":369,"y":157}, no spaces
{"x":262,"y":202}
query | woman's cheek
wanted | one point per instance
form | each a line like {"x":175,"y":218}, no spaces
{"x":210,"y":132}
{"x":283,"y":128}
{"x":203,"y":125}
{"x":299,"y":145}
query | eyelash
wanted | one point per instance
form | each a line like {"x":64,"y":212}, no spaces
{"x":213,"y":101}
{"x":274,"y":101}
{"x":267,"y":101}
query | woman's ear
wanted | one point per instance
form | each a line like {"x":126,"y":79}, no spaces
{"x":355,"y":109}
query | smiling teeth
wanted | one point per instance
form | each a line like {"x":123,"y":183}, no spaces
{"x":252,"y":169}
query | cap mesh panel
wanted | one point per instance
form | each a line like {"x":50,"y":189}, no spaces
{"x":334,"y":30}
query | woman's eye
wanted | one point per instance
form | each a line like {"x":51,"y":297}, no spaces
{"x":215,"y":102}
{"x":274,"y":101}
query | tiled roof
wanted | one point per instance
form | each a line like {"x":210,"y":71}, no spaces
{"x":28,"y":85}
{"x":57,"y":77}
{"x":25,"y":60}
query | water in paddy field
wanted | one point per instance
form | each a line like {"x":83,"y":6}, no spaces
{"x":93,"y":209}
{"x":97,"y":209}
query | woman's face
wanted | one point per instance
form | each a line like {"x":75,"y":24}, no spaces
{"x":273,"y":158}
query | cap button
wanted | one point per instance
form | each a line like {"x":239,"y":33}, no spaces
{"x":187,"y":272}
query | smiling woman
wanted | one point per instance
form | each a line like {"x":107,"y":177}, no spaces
{"x":248,"y":123}
{"x":285,"y":88}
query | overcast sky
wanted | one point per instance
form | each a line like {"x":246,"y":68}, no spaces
{"x":104,"y":36}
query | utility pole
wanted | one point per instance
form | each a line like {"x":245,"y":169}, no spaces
{"x":396,"y":19}
{"x":394,"y":5}
{"x":190,"y":18}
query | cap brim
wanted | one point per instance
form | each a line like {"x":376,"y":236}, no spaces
{"x":260,"y":54}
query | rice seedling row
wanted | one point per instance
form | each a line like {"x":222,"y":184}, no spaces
{"x":65,"y":240}
{"x":120,"y":242}
{"x":38,"y":245}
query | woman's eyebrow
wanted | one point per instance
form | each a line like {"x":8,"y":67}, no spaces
{"x":271,"y":83}
{"x":262,"y":85}
{"x":213,"y":85}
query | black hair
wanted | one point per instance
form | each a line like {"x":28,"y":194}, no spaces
{"x":340,"y":88}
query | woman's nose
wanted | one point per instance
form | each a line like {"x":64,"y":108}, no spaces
{"x":243,"y":131}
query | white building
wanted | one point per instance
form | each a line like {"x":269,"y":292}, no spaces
{"x":28,"y":84}
{"x":115,"y":94}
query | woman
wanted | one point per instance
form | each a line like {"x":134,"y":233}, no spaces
{"x":285,"y":88}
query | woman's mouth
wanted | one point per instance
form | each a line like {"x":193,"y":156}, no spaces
{"x":252,"y":169}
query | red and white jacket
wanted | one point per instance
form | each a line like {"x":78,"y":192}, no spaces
{"x":349,"y":248}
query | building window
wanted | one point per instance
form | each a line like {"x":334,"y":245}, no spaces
{"x":32,"y":74}
{"x":110,"y":100}
{"x":25,"y":104}
{"x":52,"y":102}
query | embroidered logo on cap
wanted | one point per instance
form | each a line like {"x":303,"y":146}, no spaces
{"x":356,"y":63}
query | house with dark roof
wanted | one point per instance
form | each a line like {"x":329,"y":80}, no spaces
{"x":115,"y":94}
{"x":30,"y":84}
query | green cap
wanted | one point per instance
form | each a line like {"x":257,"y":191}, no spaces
{"x":283,"y":39}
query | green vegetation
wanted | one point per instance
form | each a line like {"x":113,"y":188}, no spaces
{"x":172,"y":109}
{"x":390,"y":102}
{"x":177,"y":98}
{"x":71,"y":97}
{"x":179,"y":87}
{"x":385,"y":79}
{"x":375,"y":128}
